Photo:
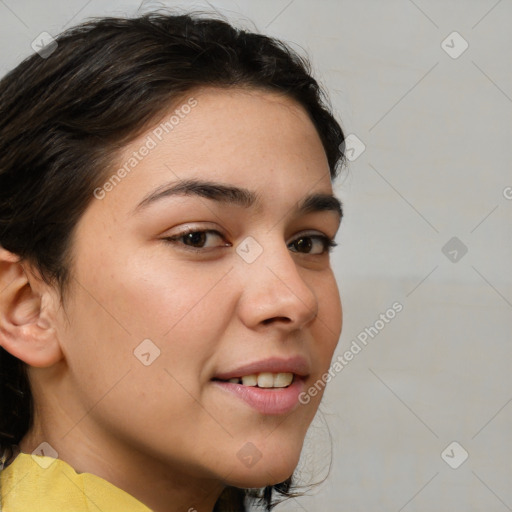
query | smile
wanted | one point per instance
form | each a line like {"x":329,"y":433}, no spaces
{"x":264,"y":380}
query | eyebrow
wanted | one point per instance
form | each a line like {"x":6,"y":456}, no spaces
{"x":238,"y":196}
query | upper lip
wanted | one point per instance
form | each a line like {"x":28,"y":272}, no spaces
{"x":297,"y":365}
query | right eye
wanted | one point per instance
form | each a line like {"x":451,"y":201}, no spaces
{"x":199,"y":239}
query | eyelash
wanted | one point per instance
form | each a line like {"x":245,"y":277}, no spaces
{"x":328,"y":243}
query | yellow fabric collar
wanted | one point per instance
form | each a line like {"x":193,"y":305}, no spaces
{"x":51,"y":485}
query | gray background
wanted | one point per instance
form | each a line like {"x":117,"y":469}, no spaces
{"x":437,"y":133}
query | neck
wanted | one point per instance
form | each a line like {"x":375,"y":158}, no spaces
{"x":154,"y":482}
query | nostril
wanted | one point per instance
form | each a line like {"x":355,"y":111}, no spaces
{"x":283,"y":319}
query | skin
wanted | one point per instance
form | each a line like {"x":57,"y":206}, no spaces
{"x":207,"y":311}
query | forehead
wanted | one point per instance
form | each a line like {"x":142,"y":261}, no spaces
{"x":254,"y":139}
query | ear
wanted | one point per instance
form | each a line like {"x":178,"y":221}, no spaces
{"x":27,"y":320}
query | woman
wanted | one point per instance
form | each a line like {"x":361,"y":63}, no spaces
{"x":166,"y":217}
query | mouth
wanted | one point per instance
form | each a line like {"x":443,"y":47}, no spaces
{"x":265,"y":380}
{"x":271,"y":386}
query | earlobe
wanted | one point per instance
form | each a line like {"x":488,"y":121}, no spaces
{"x":26,"y":324}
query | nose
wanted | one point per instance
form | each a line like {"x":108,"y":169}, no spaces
{"x":275,"y":292}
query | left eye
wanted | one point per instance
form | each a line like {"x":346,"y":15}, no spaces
{"x":312,"y":244}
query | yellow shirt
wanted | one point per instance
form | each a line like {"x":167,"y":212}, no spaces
{"x":42,"y":484}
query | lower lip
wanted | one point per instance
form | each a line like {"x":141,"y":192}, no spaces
{"x":267,"y":400}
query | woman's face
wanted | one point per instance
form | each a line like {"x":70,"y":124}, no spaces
{"x":206,"y":261}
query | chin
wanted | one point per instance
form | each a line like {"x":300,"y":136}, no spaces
{"x":273,"y":467}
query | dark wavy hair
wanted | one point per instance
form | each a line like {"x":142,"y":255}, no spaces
{"x":65,"y":115}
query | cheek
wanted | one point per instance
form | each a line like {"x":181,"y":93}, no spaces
{"x":174,"y":303}
{"x":326,"y":332}
{"x":330,"y":314}
{"x":184,"y":317}
{"x":116,"y":307}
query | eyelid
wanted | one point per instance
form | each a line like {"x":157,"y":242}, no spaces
{"x":191,"y":227}
{"x":174,"y":239}
{"x":311,"y":233}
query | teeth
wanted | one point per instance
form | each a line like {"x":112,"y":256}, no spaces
{"x":265,"y":380}
{"x":250,"y":380}
{"x":283,"y":380}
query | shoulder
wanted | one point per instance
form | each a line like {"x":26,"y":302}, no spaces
{"x":45,"y":484}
